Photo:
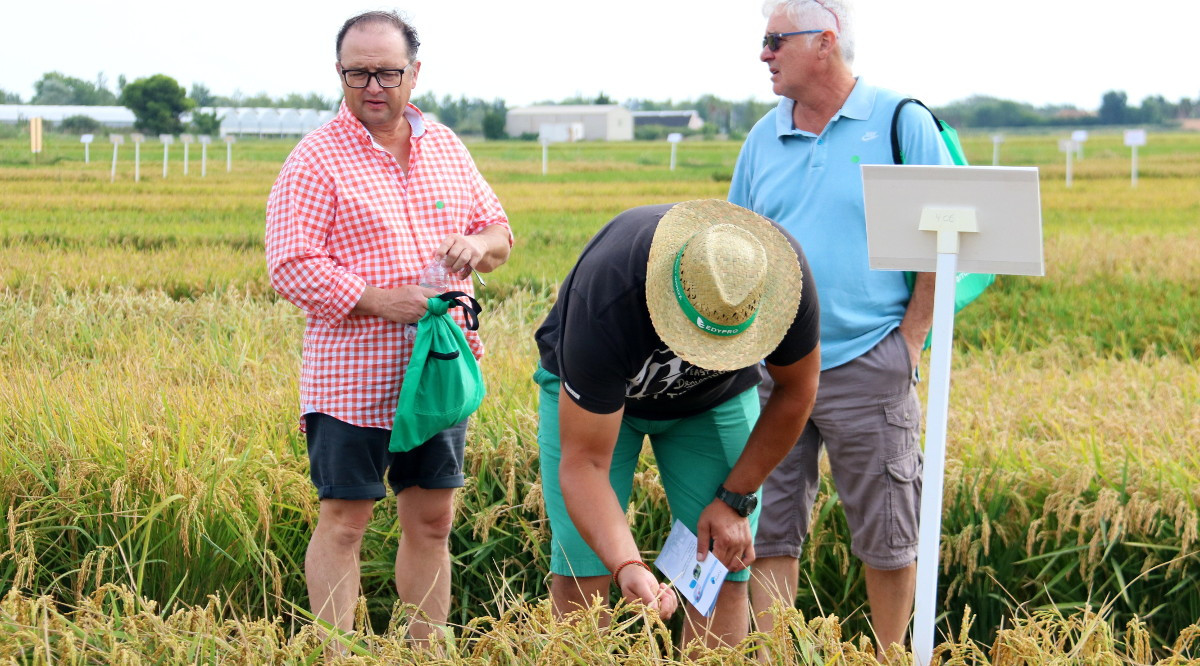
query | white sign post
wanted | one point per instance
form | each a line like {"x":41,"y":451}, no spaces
{"x":87,"y":140}
{"x":1068,"y":146}
{"x":137,"y":138}
{"x":186,"y":140}
{"x":674,"y":138}
{"x":204,"y":141}
{"x":947,"y":219}
{"x":997,"y":139}
{"x":1133,"y":139}
{"x":117,"y":140}
{"x":167,"y":140}
{"x":1079,"y":137}
{"x":229,"y":140}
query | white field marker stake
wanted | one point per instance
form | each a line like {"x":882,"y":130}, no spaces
{"x":137,"y":138}
{"x":1133,"y":139}
{"x":204,"y":141}
{"x":167,"y":140}
{"x":948,"y":223}
{"x":117,"y":140}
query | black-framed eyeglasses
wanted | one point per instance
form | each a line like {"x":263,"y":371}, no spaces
{"x":361,"y":78}
{"x":773,"y":40}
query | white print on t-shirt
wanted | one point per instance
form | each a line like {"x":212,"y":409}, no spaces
{"x":657,"y":374}
{"x":665,"y":375}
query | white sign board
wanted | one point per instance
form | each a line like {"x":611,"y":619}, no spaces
{"x":554,"y":133}
{"x":87,"y":138}
{"x":205,"y":139}
{"x":1004,"y":201}
{"x":946,"y":219}
{"x":674,"y":137}
{"x":1079,"y":136}
{"x":186,"y":138}
{"x":117,"y":139}
{"x":1135,"y":137}
{"x":167,"y":139}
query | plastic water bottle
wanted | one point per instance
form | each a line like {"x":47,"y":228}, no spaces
{"x":434,"y":276}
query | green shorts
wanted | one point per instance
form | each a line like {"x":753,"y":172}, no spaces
{"x":694,"y":455}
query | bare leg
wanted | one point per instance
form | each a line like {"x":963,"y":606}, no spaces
{"x":729,"y":623}
{"x":331,"y":564}
{"x":773,"y":580}
{"x":423,"y":557}
{"x":890,"y":594}
{"x":570,"y":594}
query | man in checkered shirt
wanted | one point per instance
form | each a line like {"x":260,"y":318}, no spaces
{"x":361,"y":206}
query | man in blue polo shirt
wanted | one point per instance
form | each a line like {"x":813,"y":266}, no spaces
{"x":800,"y":167}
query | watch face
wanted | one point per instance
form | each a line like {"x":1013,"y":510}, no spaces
{"x":751,"y":503}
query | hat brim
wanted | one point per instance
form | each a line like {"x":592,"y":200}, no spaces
{"x":777,"y":308}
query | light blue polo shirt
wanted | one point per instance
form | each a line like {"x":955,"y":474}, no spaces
{"x":812,"y":186}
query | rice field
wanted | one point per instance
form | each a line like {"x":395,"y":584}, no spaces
{"x":156,"y":504}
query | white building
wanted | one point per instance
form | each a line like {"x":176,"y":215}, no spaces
{"x":600,"y":122}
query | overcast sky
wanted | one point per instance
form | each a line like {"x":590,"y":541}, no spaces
{"x":1041,"y":52}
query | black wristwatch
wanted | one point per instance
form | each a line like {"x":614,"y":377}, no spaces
{"x":743,"y":504}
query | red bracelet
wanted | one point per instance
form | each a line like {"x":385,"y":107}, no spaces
{"x":626,"y":563}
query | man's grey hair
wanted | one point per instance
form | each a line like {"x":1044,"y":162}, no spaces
{"x":382,"y":18}
{"x":834,"y":15}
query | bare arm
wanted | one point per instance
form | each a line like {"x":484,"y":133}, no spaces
{"x":587,"y":441}
{"x":778,"y":427}
{"x":918,"y":318}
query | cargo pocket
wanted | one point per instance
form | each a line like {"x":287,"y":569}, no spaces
{"x":904,"y":497}
{"x":902,"y":412}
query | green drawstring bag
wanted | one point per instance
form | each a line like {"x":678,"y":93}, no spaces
{"x":967,"y":286}
{"x":442,"y":384}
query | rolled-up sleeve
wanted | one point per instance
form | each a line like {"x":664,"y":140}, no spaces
{"x":301,"y":211}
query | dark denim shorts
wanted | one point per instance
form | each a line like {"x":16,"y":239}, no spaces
{"x":350,"y":462}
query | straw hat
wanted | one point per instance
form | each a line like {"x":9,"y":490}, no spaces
{"x":738,"y":280}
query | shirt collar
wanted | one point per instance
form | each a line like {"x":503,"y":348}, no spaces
{"x":412,"y":114}
{"x":857,"y":106}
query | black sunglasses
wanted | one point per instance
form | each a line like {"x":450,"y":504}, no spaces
{"x":773,"y":40}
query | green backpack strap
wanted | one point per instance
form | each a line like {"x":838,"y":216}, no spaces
{"x":949,"y":134}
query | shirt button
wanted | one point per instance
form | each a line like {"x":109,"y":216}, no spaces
{"x":820,"y":142}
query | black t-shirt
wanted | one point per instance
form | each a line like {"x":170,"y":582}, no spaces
{"x":599,"y":340}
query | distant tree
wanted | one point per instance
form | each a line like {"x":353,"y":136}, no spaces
{"x":259,"y":100}
{"x":602,"y":99}
{"x":1156,"y":110}
{"x":58,"y":88}
{"x":156,"y":102}
{"x":494,"y":119}
{"x":205,"y":123}
{"x":1114,"y":108}
{"x":201,"y":95}
{"x":80,"y":124}
{"x":1187,"y":108}
{"x":9,"y":97}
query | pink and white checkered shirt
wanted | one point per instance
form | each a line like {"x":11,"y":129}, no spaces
{"x":344,"y":214}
